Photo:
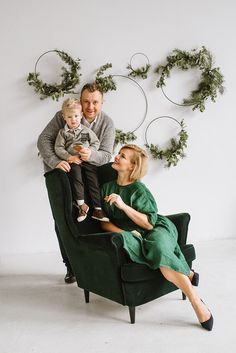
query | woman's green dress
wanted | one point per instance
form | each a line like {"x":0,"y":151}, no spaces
{"x":156,"y":248}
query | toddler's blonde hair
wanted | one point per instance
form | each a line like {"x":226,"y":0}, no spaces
{"x":71,"y":103}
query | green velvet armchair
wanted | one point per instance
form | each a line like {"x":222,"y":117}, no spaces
{"x":98,"y":260}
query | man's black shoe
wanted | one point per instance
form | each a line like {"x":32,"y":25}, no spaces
{"x":69,"y":277}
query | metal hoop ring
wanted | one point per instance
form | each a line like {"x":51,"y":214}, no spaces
{"x":179,"y":104}
{"x":159,"y":117}
{"x":144,"y":95}
{"x":46,"y":52}
{"x":130,"y":62}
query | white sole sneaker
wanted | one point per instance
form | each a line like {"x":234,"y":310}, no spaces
{"x":104,"y":219}
{"x":82,"y":217}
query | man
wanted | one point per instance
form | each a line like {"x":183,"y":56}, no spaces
{"x":94,"y":118}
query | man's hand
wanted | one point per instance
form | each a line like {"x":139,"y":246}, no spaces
{"x":64,"y":165}
{"x":85,"y":153}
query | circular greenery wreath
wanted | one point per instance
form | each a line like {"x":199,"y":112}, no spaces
{"x":70,"y":78}
{"x":175,"y":152}
{"x":211,"y":81}
{"x":141,"y":72}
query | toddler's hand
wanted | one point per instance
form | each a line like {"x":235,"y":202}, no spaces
{"x":85,"y":153}
{"x":74,"y":159}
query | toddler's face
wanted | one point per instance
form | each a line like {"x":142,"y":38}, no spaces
{"x":72,"y":117}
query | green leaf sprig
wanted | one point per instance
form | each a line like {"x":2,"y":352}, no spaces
{"x":141,"y":72}
{"x":105,"y":82}
{"x":123,"y":138}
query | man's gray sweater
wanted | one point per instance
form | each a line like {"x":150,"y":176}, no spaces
{"x":103,"y":127}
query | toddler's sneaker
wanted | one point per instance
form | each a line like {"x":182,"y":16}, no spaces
{"x":83,"y":210}
{"x":99,"y":215}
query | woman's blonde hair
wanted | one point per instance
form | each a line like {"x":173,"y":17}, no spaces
{"x":140,"y":161}
{"x":71,"y":103}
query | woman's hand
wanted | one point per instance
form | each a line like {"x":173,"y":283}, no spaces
{"x":136,"y":233}
{"x":116,"y":200}
{"x":139,"y":218}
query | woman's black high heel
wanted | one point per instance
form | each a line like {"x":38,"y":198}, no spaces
{"x":207,"y":325}
{"x":195,"y":279}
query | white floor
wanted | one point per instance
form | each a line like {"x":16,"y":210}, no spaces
{"x":39,"y":313}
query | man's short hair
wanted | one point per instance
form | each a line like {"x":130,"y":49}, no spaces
{"x":91,"y":87}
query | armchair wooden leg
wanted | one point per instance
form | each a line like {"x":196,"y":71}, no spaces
{"x":183,"y":296}
{"x":86,"y":296}
{"x":132,"y":314}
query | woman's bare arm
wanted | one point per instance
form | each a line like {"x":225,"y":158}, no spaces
{"x":137,"y":217}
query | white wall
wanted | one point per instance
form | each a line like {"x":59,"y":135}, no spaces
{"x":112,"y":31}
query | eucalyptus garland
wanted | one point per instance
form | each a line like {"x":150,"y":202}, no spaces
{"x":70,"y":78}
{"x":106,"y":83}
{"x":175,"y":151}
{"x":141,"y":72}
{"x":123,"y":138}
{"x":211,"y":81}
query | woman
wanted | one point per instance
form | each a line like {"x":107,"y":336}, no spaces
{"x":149,"y":238}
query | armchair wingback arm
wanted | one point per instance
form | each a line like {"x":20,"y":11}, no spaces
{"x":181,"y":221}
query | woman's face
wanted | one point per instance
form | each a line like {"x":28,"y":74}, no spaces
{"x":123,"y":161}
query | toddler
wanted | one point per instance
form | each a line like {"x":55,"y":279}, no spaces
{"x":70,"y":140}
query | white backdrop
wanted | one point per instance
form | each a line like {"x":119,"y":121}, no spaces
{"x":98,"y":32}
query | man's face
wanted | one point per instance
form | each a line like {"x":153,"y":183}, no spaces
{"x":91,"y":104}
